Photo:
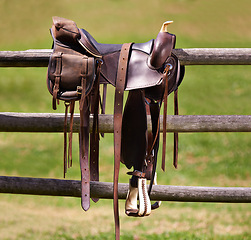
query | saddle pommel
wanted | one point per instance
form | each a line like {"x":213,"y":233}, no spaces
{"x":162,"y":48}
{"x":164,"y":26}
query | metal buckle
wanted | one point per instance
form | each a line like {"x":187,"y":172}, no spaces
{"x":79,"y":90}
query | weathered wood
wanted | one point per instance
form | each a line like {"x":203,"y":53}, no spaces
{"x":72,"y":188}
{"x":28,"y":58}
{"x":46,"y":122}
{"x":214,"y":56}
{"x":208,"y":123}
{"x":190,"y":56}
{"x":53,"y":122}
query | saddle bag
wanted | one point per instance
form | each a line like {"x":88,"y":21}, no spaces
{"x":70,"y":70}
{"x":69,"y":74}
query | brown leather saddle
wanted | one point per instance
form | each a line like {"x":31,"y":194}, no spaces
{"x":78,"y":67}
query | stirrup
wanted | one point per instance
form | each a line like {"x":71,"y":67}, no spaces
{"x":131,"y":206}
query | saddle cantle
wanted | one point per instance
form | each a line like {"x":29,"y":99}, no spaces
{"x":149,"y":71}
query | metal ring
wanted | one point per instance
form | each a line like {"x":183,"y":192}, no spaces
{"x":170,"y":66}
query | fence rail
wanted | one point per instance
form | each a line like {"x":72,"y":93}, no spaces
{"x":54,"y":122}
{"x":191,"y":56}
{"x":72,"y":188}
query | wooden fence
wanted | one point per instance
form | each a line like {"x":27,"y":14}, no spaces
{"x":45,"y":122}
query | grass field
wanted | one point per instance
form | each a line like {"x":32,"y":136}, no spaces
{"x":205,"y":159}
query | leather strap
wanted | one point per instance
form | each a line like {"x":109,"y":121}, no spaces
{"x":57,"y":75}
{"x":118,"y":109}
{"x":147,"y":169}
{"x":176,"y":112}
{"x":72,"y":106}
{"x":68,"y":157}
{"x":103,"y":103}
{"x":165,"y":78}
{"x":84,"y":73}
{"x":83,"y":156}
{"x":155,"y":113}
{"x":94,"y":136}
{"x":67,"y":104}
{"x":104,"y":98}
{"x":84,"y":140}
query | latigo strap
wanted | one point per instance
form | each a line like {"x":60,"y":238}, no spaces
{"x":118,"y":108}
{"x":83,"y":156}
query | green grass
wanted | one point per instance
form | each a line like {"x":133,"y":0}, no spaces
{"x":205,"y":159}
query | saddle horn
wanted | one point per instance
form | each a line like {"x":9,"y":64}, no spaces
{"x":162,"y":48}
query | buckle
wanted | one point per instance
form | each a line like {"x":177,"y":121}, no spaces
{"x":137,"y":174}
{"x":79,"y":90}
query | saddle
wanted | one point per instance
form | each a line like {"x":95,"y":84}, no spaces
{"x":79,"y":68}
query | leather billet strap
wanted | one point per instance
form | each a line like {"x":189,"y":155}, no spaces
{"x":83,"y":156}
{"x":84,"y":141}
{"x":165,"y":78}
{"x":176,"y":112}
{"x":84,"y":72}
{"x":118,"y":109}
{"x":94,"y":136}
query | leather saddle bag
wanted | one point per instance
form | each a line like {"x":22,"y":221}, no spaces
{"x":70,"y":70}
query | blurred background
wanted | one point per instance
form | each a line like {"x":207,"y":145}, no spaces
{"x":205,"y":159}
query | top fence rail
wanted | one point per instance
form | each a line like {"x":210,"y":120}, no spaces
{"x":191,"y":56}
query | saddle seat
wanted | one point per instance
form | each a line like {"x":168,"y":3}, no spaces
{"x":140,"y":73}
{"x":104,"y":49}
